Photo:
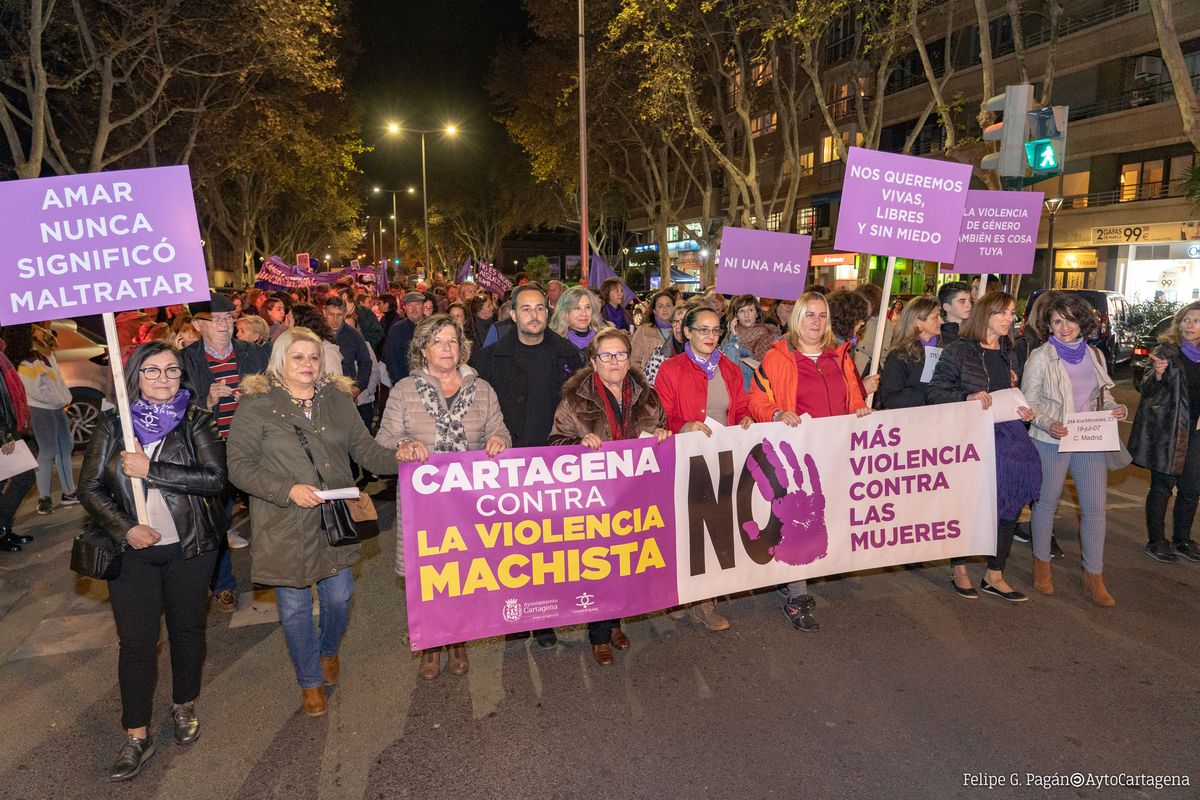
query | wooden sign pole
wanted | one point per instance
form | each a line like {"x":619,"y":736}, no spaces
{"x":881,"y":322}
{"x":118,"y":370}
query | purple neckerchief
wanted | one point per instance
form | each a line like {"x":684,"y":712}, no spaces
{"x":614,"y":315}
{"x":153,"y":421}
{"x":1190,"y":350}
{"x":933,"y":340}
{"x":661,"y":326}
{"x":580,"y":340}
{"x":709,"y":365}
{"x":1070,"y":352}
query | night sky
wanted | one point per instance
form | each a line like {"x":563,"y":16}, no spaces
{"x":423,"y":63}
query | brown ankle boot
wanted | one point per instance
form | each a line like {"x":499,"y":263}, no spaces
{"x":458,"y":663}
{"x":1041,"y":576}
{"x":431,"y":664}
{"x":1093,"y":587}
{"x":314,"y":701}
{"x":329,"y":669}
{"x":705,"y":612}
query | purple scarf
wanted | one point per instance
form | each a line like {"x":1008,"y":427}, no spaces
{"x":933,"y":340}
{"x":1072,"y":352}
{"x":1190,"y":351}
{"x":661,"y":327}
{"x":614,"y":315}
{"x":153,"y":421}
{"x":580,"y":340}
{"x":709,"y":365}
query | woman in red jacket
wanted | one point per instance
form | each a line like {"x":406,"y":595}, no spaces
{"x":806,"y":372}
{"x":698,"y":384}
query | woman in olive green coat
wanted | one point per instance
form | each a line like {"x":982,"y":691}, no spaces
{"x":267,"y":459}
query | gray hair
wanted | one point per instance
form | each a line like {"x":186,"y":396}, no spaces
{"x":423,"y":335}
{"x":566,"y":304}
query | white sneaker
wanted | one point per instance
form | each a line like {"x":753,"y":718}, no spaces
{"x":235,"y":540}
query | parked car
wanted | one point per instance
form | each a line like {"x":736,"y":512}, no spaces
{"x":1139,"y":365}
{"x":1116,"y":337}
{"x":83,"y":359}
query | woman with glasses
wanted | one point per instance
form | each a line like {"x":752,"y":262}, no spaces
{"x":607,"y":400}
{"x":697,"y":385}
{"x":168,"y":562}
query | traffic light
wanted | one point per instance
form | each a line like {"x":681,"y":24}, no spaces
{"x":1045,"y":153}
{"x":1011,"y":132}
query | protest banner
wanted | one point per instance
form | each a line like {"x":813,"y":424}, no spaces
{"x":97,"y":244}
{"x":900,"y":206}
{"x":491,"y":279}
{"x":275,"y":274}
{"x":550,"y":536}
{"x":999,"y":233}
{"x":763,"y":263}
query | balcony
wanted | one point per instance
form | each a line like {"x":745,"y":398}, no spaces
{"x":1148,"y":95}
{"x":1074,"y":21}
{"x":1131,"y":193}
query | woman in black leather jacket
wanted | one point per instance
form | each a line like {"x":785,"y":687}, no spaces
{"x":167,"y":564}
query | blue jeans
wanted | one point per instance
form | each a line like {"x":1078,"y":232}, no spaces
{"x":223,"y":578}
{"x":53,"y":435}
{"x":304,"y":644}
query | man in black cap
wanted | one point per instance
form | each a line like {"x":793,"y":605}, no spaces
{"x":399,"y":337}
{"x":215,"y":367}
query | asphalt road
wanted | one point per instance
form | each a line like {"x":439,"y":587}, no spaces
{"x":907,"y":691}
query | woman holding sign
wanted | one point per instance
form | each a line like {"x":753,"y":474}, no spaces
{"x":980,"y":361}
{"x":606,"y":401}
{"x":1066,"y":376}
{"x":1166,"y":437}
{"x":296,"y":428}
{"x":443,"y":406}
{"x":167,"y":564}
{"x":808,"y":372}
{"x":907,"y":370}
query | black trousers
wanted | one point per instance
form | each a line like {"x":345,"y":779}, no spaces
{"x":1188,"y":487}
{"x":601,"y":632}
{"x":155,"y":580}
{"x":1004,"y":539}
{"x":14,"y":491}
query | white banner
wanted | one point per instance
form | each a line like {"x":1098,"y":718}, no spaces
{"x":831,"y":496}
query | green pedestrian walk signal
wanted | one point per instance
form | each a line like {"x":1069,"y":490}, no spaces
{"x":1041,"y":156}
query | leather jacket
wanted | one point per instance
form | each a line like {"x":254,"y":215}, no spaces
{"x":189,"y":469}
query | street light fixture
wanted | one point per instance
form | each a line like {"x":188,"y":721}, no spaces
{"x":394,"y":129}
{"x":1052,"y":204}
{"x":393,"y":193}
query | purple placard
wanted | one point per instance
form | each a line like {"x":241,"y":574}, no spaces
{"x":108,"y":241}
{"x":999,"y":233}
{"x":597,"y":526}
{"x":895,"y":205}
{"x":763,"y":263}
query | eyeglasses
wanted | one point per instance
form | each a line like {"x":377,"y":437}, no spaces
{"x":620,"y":358}
{"x":154,"y":373}
{"x":706,"y":331}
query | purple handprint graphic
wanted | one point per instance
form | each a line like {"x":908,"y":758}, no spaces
{"x":803,"y":537}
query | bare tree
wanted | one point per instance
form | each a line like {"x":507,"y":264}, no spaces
{"x":1172,"y":54}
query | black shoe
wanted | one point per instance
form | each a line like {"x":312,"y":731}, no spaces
{"x":1022,"y":534}
{"x":1012,"y":597}
{"x":133,"y":756}
{"x":187,"y":727}
{"x":70,"y":499}
{"x":1189,"y":550}
{"x":7,"y":545}
{"x":799,"y":612}
{"x":546,"y":639}
{"x":968,"y":593}
{"x":15,"y":537}
{"x":1055,"y":550}
{"x":1161,"y":551}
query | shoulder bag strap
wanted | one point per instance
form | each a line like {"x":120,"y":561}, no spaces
{"x":304,"y":444}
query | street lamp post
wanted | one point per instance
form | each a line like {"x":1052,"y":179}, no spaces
{"x":395,"y":129}
{"x":1052,"y":204}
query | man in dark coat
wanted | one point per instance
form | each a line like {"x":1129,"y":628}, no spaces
{"x":399,"y":337}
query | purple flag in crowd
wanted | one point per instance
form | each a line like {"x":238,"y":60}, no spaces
{"x":599,"y":271}
{"x":464,"y":271}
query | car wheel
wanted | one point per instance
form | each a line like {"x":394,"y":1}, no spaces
{"x":82,"y":415}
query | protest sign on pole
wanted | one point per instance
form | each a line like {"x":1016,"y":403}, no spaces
{"x":491,"y":279}
{"x":763,"y":263}
{"x":999,"y":233}
{"x":900,"y":206}
{"x":101,"y":243}
{"x":548,"y":536}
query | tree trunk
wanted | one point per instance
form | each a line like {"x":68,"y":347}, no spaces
{"x":1185,"y":93}
{"x":985,"y":58}
{"x":664,"y":255}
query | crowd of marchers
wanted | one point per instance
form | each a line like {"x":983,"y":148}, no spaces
{"x":263,"y":399}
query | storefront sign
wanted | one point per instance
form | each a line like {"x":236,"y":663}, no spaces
{"x":999,"y":233}
{"x":102,"y":242}
{"x":896,"y":205}
{"x":1076,"y":259}
{"x":832,"y":259}
{"x":550,"y":536}
{"x":762,"y":263}
{"x":1158,"y":232}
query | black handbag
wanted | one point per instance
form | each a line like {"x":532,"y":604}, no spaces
{"x":95,"y":555}
{"x":344,"y":521}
